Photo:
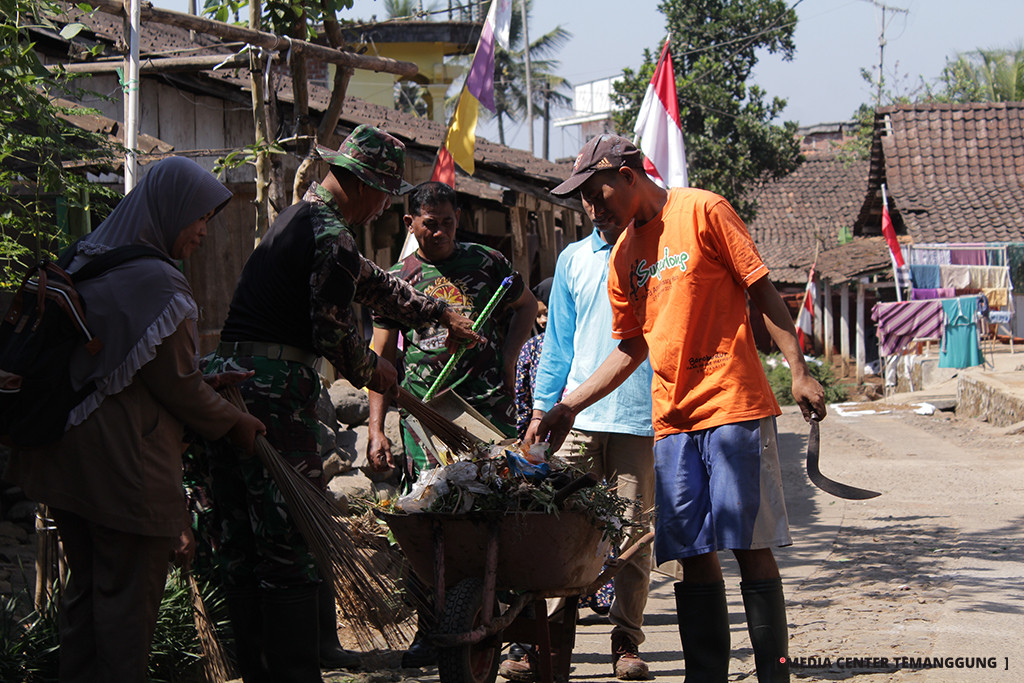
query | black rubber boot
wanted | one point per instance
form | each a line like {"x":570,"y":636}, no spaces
{"x":769,"y":633}
{"x":704,"y":631}
{"x":332,"y":654}
{"x":290,"y":629}
{"x":421,"y":651}
{"x":247,"y":624}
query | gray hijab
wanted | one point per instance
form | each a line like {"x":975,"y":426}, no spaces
{"x":132,"y":308}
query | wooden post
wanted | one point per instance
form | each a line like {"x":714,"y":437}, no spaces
{"x":844,"y":321}
{"x":253,"y":36}
{"x":130,"y":88}
{"x":520,"y":227}
{"x":826,"y":319}
{"x":548,"y":248}
{"x":817,"y":323}
{"x":860,"y":332}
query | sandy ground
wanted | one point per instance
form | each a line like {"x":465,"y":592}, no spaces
{"x":926,"y":573}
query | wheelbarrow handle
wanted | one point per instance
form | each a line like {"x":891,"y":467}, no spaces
{"x":584,"y":482}
{"x":613,"y":565}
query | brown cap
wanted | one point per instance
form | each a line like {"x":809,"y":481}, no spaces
{"x":602,"y":153}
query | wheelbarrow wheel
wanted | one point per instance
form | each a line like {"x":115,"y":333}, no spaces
{"x":474,"y":662}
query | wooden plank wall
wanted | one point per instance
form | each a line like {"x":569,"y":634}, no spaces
{"x":193,"y":122}
{"x":214,"y":269}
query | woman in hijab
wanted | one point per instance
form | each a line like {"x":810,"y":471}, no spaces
{"x":113,"y":482}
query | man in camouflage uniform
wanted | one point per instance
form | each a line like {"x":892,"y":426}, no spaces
{"x":291,"y":305}
{"x":466,"y":276}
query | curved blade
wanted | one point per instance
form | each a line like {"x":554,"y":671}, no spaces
{"x":824,"y":483}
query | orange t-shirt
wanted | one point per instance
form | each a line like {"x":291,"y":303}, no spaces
{"x":680,"y":280}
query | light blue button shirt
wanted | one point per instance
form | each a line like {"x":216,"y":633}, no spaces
{"x":578,"y":338}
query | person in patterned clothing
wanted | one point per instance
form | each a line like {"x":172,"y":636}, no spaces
{"x":529,"y":358}
{"x":466,"y":276}
{"x":293,"y":303}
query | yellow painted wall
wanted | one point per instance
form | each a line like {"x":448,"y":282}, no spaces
{"x":378,"y":88}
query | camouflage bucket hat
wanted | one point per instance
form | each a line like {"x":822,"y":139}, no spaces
{"x":376,"y":158}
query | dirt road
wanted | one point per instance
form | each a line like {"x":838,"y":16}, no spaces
{"x":930,"y":569}
{"x":888,"y":589}
{"x":920,"y":584}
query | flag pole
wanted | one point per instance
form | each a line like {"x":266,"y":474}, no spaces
{"x":805,"y":315}
{"x":892,"y":256}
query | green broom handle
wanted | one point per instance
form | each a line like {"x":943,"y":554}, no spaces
{"x":481,"y":319}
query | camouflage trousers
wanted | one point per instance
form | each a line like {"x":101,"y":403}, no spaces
{"x":259,"y":542}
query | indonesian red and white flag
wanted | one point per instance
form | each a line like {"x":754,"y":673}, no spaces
{"x":805,"y":319}
{"x":658,"y":132}
{"x":899,"y":266}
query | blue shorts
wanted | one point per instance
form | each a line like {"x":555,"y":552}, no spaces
{"x":719,"y":488}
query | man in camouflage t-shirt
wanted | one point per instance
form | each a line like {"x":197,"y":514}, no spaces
{"x":465,"y":276}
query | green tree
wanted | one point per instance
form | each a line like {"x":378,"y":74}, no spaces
{"x":732,"y":146}
{"x":983,"y":76}
{"x":510,"y":72}
{"x":409,"y":98}
{"x":43,"y":157}
{"x":859,"y":146}
{"x":407,"y":9}
{"x":301,"y":20}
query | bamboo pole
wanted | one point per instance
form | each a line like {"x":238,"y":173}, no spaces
{"x":132,"y":29}
{"x":157,"y":66}
{"x":262,"y":128}
{"x":263,"y":39}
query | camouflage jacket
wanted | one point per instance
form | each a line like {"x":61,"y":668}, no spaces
{"x":340,"y":276}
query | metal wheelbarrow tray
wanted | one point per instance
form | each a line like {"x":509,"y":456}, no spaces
{"x":469,"y":559}
{"x":536,"y":551}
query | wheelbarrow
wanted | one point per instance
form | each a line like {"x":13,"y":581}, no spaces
{"x":469,"y":559}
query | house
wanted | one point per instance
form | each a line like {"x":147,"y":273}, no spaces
{"x":188,"y":108}
{"x":808,"y":217}
{"x":954,"y":175}
{"x":426,"y":44}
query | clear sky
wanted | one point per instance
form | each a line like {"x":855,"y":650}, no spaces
{"x":835,"y":39}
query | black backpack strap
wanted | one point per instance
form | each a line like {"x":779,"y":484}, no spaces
{"x":115,"y":257}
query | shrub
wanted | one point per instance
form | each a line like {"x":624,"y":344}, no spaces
{"x":781,"y":379}
{"x":29,"y":639}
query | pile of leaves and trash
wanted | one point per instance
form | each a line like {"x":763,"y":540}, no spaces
{"x":509,"y":480}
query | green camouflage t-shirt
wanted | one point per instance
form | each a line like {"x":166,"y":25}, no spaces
{"x":466,"y":281}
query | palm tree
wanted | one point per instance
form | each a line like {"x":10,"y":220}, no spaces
{"x":986,"y":76}
{"x":409,"y":98}
{"x":510,"y":73}
{"x":406,"y":9}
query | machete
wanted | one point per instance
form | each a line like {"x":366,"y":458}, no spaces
{"x":820,"y":480}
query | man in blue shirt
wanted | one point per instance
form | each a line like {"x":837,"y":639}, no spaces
{"x":613,"y":438}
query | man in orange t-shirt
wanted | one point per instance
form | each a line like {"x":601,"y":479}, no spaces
{"x":678,"y":284}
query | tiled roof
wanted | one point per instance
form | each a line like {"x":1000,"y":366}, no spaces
{"x":808,"y":208}
{"x":516,"y":168}
{"x":954,"y":172}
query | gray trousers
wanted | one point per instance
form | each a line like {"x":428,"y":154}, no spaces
{"x":109,"y":606}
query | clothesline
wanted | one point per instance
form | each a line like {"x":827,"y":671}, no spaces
{"x":900,"y":322}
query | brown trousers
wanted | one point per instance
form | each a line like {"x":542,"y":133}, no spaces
{"x":109,"y":606}
{"x":627,"y":462}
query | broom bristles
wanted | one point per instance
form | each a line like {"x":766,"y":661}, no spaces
{"x":365,"y":596}
{"x":215,"y":666}
{"x":452,"y":435}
